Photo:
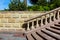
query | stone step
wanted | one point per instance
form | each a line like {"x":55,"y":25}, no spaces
{"x":55,"y":27}
{"x":52,"y":34}
{"x":29,"y":37}
{"x":45,"y":36}
{"x":53,"y":30}
{"x":36,"y":36}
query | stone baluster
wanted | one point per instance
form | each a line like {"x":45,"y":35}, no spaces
{"x":50,"y":17}
{"x":28,"y":26}
{"x":41,"y":20}
{"x":54,"y":14}
{"x":45,"y":19}
{"x":58,"y":15}
{"x":37,"y":25}
{"x":32,"y":27}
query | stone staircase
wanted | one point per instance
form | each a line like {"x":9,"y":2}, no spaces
{"x":44,"y":27}
{"x":48,"y":33}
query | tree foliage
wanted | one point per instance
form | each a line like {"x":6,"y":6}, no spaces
{"x":38,"y":2}
{"x":16,"y":5}
{"x":45,"y":5}
{"x":37,"y":5}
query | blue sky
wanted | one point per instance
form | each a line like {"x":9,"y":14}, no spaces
{"x":4,"y":4}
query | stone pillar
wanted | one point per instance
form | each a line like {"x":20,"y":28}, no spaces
{"x":50,"y":17}
{"x":58,"y":15}
{"x":28,"y":26}
{"x":41,"y":21}
{"x":37,"y":25}
{"x":32,"y":27}
{"x":45,"y":19}
{"x":54,"y":14}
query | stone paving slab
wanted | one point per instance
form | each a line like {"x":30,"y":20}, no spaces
{"x":10,"y":37}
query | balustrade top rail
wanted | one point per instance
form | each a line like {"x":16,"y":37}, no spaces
{"x":43,"y":14}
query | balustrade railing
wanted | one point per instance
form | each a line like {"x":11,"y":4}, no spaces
{"x":53,"y":13}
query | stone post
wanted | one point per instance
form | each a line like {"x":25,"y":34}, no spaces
{"x":32,"y":27}
{"x":45,"y":19}
{"x":54,"y":14}
{"x":41,"y":21}
{"x":37,"y":25}
{"x":50,"y":17}
{"x":58,"y":15}
{"x":28,"y":26}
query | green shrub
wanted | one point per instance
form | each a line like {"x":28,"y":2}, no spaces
{"x":46,"y":8}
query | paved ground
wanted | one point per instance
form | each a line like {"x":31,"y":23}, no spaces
{"x":10,"y":37}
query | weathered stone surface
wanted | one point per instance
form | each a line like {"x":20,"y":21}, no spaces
{"x":15,"y":19}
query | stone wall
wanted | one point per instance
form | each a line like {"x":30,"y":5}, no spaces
{"x":15,"y":19}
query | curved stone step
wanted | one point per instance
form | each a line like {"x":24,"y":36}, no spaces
{"x":55,"y":27}
{"x":36,"y":36}
{"x":51,"y":34}
{"x":53,"y":30}
{"x":29,"y":37}
{"x":47,"y":37}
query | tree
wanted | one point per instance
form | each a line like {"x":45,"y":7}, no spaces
{"x":47,"y":4}
{"x":56,"y":2}
{"x":40,"y":5}
{"x":38,"y":2}
{"x":33,"y":1}
{"x":17,"y":5}
{"x":25,"y":2}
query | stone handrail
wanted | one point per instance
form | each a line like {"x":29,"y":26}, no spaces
{"x":54,"y":13}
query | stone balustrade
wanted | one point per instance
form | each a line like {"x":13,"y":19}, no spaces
{"x":43,"y":19}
